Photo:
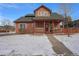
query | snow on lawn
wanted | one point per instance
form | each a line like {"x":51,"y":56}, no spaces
{"x":25,"y":45}
{"x":71,"y":42}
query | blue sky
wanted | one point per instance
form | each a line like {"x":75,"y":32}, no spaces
{"x":13,"y":11}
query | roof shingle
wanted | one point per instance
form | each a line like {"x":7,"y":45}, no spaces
{"x":31,"y":17}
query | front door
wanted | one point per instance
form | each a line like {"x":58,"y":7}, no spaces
{"x":48,"y":27}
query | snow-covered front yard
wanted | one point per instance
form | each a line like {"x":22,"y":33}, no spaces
{"x":25,"y":45}
{"x":71,"y":42}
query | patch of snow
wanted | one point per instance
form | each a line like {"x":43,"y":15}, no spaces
{"x":25,"y":45}
{"x":71,"y":42}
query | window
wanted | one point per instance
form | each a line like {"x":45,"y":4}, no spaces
{"x":43,"y":13}
{"x":22,"y":26}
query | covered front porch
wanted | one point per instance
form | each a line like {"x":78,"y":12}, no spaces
{"x":46,"y":26}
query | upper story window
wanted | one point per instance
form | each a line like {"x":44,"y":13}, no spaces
{"x":43,"y":13}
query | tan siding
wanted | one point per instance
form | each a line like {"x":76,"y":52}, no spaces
{"x":37,"y":13}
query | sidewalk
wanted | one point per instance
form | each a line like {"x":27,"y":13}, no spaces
{"x":59,"y":47}
{"x":7,"y":33}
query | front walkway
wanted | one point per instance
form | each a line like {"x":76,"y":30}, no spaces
{"x":59,"y":47}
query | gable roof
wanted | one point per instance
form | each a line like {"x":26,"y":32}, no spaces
{"x":27,"y":18}
{"x":24,"y":20}
{"x":43,"y":7}
{"x":56,"y":16}
{"x":31,"y":17}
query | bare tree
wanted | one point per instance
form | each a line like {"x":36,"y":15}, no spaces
{"x":6,"y":23}
{"x":65,"y":10}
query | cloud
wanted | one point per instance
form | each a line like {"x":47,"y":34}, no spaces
{"x":1,"y":19}
{"x":17,"y":5}
{"x":8,"y":5}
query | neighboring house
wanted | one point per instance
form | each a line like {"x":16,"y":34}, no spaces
{"x":76,"y":23}
{"x":1,"y":28}
{"x":7,"y":28}
{"x":42,"y":21}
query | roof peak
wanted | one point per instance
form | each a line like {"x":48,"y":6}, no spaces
{"x":42,"y":6}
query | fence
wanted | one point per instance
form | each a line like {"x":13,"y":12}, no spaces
{"x":65,"y":30}
{"x":4,"y":30}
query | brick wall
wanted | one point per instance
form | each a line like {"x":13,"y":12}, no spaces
{"x":28,"y":28}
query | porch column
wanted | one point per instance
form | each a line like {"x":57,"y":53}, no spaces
{"x":34,"y":27}
{"x":58,"y":25}
{"x":53,"y":26}
{"x":44,"y":26}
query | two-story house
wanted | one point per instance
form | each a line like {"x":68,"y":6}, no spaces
{"x":42,"y":21}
